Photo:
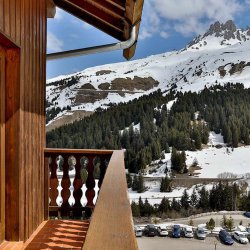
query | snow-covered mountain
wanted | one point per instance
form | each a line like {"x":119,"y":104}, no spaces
{"x":220,"y":55}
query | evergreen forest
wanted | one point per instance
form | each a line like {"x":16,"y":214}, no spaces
{"x":186,"y":126}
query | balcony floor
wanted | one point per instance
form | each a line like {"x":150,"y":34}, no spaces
{"x":54,"y":234}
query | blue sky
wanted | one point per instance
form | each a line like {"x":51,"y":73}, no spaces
{"x":166,"y":25}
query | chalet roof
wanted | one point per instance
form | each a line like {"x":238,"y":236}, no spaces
{"x":114,"y":17}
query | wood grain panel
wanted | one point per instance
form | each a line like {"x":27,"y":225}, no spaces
{"x":23,"y":24}
{"x":111,"y":224}
{"x":2,"y":144}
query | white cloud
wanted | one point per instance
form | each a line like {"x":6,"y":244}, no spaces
{"x":164,"y":34}
{"x":151,"y":21}
{"x":53,"y":43}
{"x":187,"y":16}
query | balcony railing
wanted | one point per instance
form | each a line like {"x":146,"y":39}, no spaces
{"x":74,"y":192}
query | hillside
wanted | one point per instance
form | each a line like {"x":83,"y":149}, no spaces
{"x":220,"y":55}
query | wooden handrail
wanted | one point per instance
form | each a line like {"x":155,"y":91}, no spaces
{"x":111,"y":224}
{"x":78,"y":151}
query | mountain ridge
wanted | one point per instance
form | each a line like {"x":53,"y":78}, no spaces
{"x":198,"y":65}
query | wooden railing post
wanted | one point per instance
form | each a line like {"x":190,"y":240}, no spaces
{"x":46,"y":187}
{"x":65,"y":193}
{"x":90,"y":183}
{"x":77,"y":193}
{"x":53,"y":192}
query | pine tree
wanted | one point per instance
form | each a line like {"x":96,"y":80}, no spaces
{"x":167,"y":150}
{"x":135,"y":183}
{"x":224,"y":221}
{"x":135,"y":209}
{"x":230,"y":223}
{"x":185,"y":200}
{"x":141,"y":206}
{"x":129,"y":180}
{"x":141,"y":187}
{"x":204,"y":199}
{"x":193,"y":199}
{"x":210,"y":224}
{"x":164,"y":205}
{"x":175,"y":205}
{"x":148,"y":209}
{"x":166,"y":184}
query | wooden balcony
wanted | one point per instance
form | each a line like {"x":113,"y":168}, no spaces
{"x":89,"y":214}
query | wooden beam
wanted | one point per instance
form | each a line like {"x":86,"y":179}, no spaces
{"x":133,"y":15}
{"x":120,"y":3}
{"x":2,"y":144}
{"x":12,"y":157}
{"x":99,"y":12}
{"x":51,"y":9}
{"x":105,"y":25}
{"x":108,"y":7}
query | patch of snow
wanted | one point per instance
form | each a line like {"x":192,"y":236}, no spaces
{"x":215,"y":139}
{"x":214,"y":161}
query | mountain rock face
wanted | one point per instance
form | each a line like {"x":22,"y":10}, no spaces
{"x":226,"y":33}
{"x":220,"y":55}
{"x":226,"y":30}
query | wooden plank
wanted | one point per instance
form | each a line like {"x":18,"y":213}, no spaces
{"x":120,"y":3}
{"x":109,"y":8}
{"x":21,"y":31}
{"x":133,"y":14}
{"x":51,"y":9}
{"x":2,"y":144}
{"x":12,"y":147}
{"x":1,"y":14}
{"x":112,"y":210}
{"x":100,"y":10}
{"x":6,"y":8}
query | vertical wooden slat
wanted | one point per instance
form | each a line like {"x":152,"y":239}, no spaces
{"x":13,"y":19}
{"x":6,"y":17}
{"x":90,"y":183}
{"x":1,"y":15}
{"x":12,"y":147}
{"x":23,"y":152}
{"x":2,"y":144}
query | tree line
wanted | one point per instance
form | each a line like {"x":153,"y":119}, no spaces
{"x":222,"y":196}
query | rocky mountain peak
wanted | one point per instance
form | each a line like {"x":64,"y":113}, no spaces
{"x":227,"y":34}
{"x":226,"y":30}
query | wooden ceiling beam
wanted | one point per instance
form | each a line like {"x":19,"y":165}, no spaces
{"x":108,"y":7}
{"x":104,"y":26}
{"x":51,"y":9}
{"x":97,"y":12}
{"x":120,"y":3}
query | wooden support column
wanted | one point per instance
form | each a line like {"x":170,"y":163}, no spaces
{"x":12,"y":144}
